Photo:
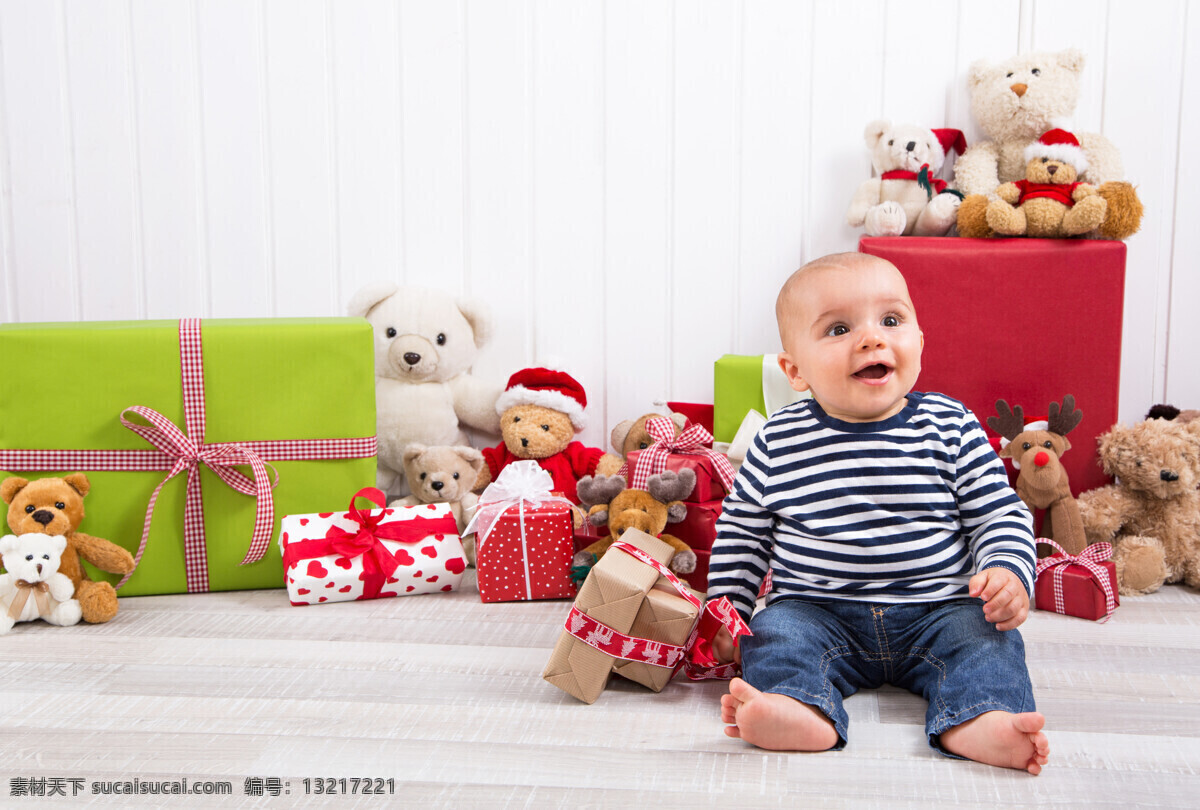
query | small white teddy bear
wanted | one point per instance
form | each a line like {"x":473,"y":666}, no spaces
{"x":33,"y":588}
{"x":425,"y":343}
{"x":905,"y":198}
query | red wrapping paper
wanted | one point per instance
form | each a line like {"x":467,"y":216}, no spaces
{"x":699,"y":528}
{"x":708,"y":484}
{"x":1082,"y":594}
{"x":548,"y":543}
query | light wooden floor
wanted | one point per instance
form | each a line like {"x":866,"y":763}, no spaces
{"x":443,"y":694}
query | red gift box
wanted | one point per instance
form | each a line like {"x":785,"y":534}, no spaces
{"x":1024,"y":320}
{"x":1076,"y":585}
{"x":699,"y":528}
{"x":709,"y":486}
{"x":513,"y":566}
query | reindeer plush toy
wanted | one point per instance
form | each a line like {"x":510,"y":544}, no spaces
{"x":1035,"y":450}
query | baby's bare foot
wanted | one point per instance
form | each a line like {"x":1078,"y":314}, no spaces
{"x":1001,"y":738}
{"x":773,"y":721}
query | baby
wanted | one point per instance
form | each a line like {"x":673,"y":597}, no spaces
{"x":898,"y":552}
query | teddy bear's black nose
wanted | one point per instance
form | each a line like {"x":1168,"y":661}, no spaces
{"x":437,"y":486}
{"x":43,"y":516}
{"x":524,"y":442}
{"x":911,"y":146}
{"x":412,"y":358}
{"x":1051,"y":169}
{"x":1167,"y":475}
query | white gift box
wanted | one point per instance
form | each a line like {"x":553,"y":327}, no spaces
{"x":346,"y":556}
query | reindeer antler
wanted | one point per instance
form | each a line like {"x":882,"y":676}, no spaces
{"x":599,"y":489}
{"x":1011,"y":421}
{"x":671,"y":486}
{"x":1064,"y":421}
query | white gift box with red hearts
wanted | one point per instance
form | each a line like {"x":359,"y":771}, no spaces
{"x":345,"y":556}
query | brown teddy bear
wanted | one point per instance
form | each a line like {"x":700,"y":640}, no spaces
{"x":1152,"y":516}
{"x":443,"y":474}
{"x":55,"y":506}
{"x":610,"y":503}
{"x":541,"y":410}
{"x":1049,"y":202}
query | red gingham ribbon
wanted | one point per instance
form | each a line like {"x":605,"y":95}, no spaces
{"x":691,"y":441}
{"x":178,"y":451}
{"x":1090,"y":558}
{"x":656,"y":653}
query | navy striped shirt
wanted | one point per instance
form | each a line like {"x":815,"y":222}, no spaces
{"x":903,"y":510}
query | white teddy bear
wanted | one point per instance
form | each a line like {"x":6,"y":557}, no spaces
{"x":425,"y":343}
{"x":33,"y":588}
{"x":905,"y":198}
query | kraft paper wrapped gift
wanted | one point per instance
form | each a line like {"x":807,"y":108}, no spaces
{"x":977,"y":352}
{"x":613,"y":594}
{"x":293,"y":397}
{"x":371,"y":553}
{"x":664,"y":617}
{"x":742,"y":383}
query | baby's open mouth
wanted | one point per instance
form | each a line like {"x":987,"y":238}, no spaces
{"x":873,"y":372}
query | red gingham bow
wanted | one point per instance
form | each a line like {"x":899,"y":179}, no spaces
{"x":692,"y":441}
{"x":698,"y":664}
{"x":178,"y":451}
{"x":1090,"y":558}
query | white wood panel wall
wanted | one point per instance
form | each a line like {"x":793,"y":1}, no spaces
{"x":627,"y":182}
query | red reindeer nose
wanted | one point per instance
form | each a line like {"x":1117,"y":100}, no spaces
{"x":1042,"y":458}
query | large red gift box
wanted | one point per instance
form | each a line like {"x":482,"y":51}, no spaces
{"x":698,"y":529}
{"x":1024,"y":320}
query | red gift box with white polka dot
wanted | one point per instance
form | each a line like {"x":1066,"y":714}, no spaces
{"x":537,"y":565}
{"x":429,"y":560}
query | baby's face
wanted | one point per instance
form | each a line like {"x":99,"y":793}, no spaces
{"x":850,"y":335}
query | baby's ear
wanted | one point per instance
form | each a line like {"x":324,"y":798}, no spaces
{"x":792,"y":372}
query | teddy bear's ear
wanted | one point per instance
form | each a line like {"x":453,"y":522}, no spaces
{"x":978,"y":72}
{"x":365,"y":299}
{"x":8,"y":544}
{"x":1109,"y":449}
{"x":1071,"y":59}
{"x":618,"y":435}
{"x":59,"y":542}
{"x":479,"y":316}
{"x":471,"y":456}
{"x":79,"y":483}
{"x":411,"y":452}
{"x":10,"y":488}
{"x":874,"y":131}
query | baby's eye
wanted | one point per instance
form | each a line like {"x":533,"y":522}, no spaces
{"x":1036,"y":72}
{"x":891,"y":320}
{"x":837,"y":330}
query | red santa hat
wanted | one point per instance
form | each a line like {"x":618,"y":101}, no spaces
{"x":1060,"y":145}
{"x":550,"y":389}
{"x":952,"y":140}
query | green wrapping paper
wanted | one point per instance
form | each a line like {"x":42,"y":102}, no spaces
{"x":264,"y":379}
{"x":737,"y":389}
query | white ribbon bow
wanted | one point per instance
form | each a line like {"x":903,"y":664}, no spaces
{"x":517,"y":484}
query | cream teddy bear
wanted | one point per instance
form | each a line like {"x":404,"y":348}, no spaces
{"x":425,"y":343}
{"x":33,"y":588}
{"x":905,"y":198}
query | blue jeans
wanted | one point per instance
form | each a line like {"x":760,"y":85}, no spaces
{"x":820,"y":652}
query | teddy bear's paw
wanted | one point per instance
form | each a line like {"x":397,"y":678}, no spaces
{"x":939,"y":216}
{"x":1124,"y":216}
{"x":1004,"y":219}
{"x":1141,"y":565}
{"x":6,"y":623}
{"x":97,"y":601}
{"x":66,"y":614}
{"x":1086,"y":215}
{"x":886,"y":219}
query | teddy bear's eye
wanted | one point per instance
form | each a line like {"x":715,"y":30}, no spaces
{"x":1139,"y":463}
{"x":1047,"y":443}
{"x":60,"y":505}
{"x":441,"y":339}
{"x":29,"y":557}
{"x":892,"y":141}
{"x":45,"y":556}
{"x":456,"y":476}
{"x":29,"y":509}
{"x":643,"y":445}
{"x":1008,"y":75}
{"x":516,"y":419}
{"x":422,"y":476}
{"x":545,"y":427}
{"x":1045,"y":160}
{"x":390,"y":331}
{"x":1026,"y":446}
{"x":1036,"y":72}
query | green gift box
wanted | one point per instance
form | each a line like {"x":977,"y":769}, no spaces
{"x":299,"y":394}
{"x":744,"y":383}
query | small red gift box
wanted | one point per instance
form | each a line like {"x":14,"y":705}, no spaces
{"x":525,"y":538}
{"x":692,"y":448}
{"x":709,"y":486}
{"x":699,"y":528}
{"x":1083,"y":585}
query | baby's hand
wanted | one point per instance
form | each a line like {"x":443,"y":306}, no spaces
{"x":1005,"y":602}
{"x":725,"y":648}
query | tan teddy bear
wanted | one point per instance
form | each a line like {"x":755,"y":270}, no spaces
{"x":541,"y":410}
{"x":444,"y":474}
{"x":1152,"y":515}
{"x":631,"y":435}
{"x":55,"y":506}
{"x":1050,"y":201}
